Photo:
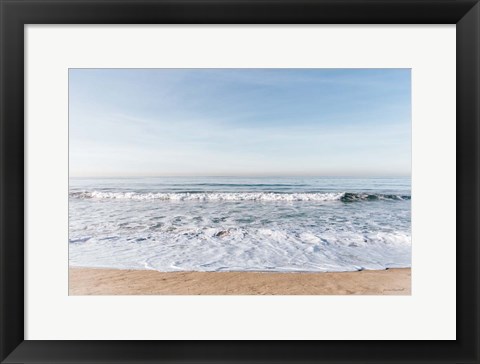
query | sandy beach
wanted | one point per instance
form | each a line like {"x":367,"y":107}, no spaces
{"x":91,"y":281}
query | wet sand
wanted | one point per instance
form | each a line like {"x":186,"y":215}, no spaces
{"x":92,"y":281}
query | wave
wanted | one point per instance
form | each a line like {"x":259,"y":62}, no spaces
{"x":239,"y":196}
{"x":352,"y":197}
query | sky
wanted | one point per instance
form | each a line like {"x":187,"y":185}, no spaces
{"x":239,"y":122}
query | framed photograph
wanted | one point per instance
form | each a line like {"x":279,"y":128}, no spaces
{"x":239,"y":181}
{"x":223,"y":181}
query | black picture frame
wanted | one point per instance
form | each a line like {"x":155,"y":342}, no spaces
{"x":17,"y":13}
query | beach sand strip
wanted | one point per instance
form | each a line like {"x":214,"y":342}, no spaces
{"x":92,"y":281}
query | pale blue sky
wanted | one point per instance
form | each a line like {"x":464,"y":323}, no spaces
{"x":238,"y":122}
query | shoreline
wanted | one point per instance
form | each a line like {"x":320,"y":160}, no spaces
{"x":110,"y":281}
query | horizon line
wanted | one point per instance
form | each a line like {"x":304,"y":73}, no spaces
{"x":246,"y":176}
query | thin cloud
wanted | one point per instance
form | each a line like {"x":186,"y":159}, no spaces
{"x":239,"y":122}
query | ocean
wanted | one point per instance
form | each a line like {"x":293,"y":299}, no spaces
{"x":281,"y":224}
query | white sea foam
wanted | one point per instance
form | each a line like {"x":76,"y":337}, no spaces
{"x":119,"y":224}
{"x":235,"y":196}
{"x":247,"y":250}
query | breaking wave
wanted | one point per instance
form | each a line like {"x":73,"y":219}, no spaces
{"x":238,"y":196}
